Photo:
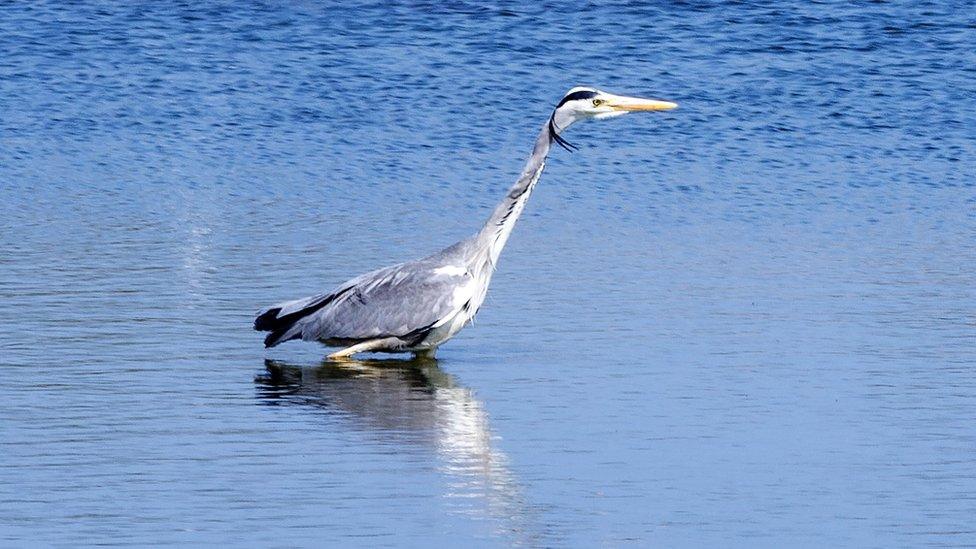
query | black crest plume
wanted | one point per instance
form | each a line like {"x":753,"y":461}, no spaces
{"x":553,"y":136}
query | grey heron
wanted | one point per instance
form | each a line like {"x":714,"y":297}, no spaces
{"x":418,"y":305}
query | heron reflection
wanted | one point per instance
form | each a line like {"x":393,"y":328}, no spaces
{"x":416,"y":405}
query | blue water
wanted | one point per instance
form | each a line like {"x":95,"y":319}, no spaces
{"x":747,"y":322}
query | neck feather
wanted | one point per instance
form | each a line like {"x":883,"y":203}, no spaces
{"x":496,"y":231}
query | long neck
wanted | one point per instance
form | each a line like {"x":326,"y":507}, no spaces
{"x":494,"y":234}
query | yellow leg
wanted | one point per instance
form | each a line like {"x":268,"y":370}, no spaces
{"x":370,"y":345}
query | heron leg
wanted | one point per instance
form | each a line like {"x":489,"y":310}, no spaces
{"x":370,"y":345}
{"x":426,"y":353}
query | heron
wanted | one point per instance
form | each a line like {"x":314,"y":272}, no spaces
{"x":416,"y":306}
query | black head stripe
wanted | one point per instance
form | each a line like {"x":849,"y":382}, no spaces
{"x":582,"y":94}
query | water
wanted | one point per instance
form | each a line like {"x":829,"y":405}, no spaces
{"x":748,"y":322}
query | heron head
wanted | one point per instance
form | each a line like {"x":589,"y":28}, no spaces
{"x":582,"y":103}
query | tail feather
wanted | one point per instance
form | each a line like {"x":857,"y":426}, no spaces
{"x":285,"y":327}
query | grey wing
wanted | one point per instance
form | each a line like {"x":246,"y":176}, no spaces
{"x":404,"y":301}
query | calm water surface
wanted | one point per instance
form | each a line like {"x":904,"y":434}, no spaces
{"x":748,"y":322}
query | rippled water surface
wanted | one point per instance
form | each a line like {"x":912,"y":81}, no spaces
{"x":747,"y":322}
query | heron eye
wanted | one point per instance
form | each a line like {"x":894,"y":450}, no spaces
{"x":598,"y":102}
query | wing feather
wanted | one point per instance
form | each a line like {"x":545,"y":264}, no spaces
{"x":404,"y":300}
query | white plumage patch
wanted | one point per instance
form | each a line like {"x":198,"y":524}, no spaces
{"x":462,"y":295}
{"x":451,"y":270}
{"x":455,"y":320}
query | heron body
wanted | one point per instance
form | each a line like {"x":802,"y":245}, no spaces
{"x":418,"y":305}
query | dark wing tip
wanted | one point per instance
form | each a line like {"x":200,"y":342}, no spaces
{"x":266,"y":321}
{"x":272,"y":339}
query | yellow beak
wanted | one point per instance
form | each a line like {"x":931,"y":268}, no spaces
{"x":621,"y":103}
